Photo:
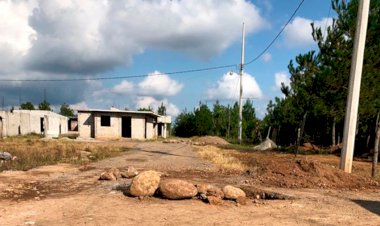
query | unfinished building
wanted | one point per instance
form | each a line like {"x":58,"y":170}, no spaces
{"x":116,"y":123}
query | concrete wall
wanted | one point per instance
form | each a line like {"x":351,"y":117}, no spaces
{"x":85,"y":125}
{"x":114,"y":130}
{"x":22,"y":122}
{"x":88,"y":121}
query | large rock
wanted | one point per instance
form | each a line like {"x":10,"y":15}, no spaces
{"x":177,"y":189}
{"x":130,"y":172}
{"x":210,"y":190}
{"x":231,"y":192}
{"x":145,"y":184}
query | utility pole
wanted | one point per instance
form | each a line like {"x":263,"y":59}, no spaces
{"x":241,"y":87}
{"x":354,"y":87}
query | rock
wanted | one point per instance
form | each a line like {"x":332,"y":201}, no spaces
{"x":107,"y":176}
{"x":231,"y":192}
{"x":130,"y":172}
{"x":268,"y":144}
{"x":145,"y":184}
{"x":177,"y":189}
{"x":214,"y":200}
{"x":242,"y":200}
{"x":210,"y":190}
{"x":111,"y":174}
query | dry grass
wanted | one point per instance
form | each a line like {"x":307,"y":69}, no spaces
{"x":222,"y":158}
{"x":32,"y":152}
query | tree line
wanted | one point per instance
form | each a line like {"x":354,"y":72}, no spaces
{"x":313,"y":106}
{"x":65,"y":109}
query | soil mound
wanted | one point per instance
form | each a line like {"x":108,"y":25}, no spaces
{"x":211,"y":140}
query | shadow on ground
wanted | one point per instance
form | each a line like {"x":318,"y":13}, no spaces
{"x":373,"y":206}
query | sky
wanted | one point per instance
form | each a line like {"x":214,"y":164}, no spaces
{"x":87,"y":39}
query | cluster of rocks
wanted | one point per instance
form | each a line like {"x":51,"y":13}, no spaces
{"x":181,"y":141}
{"x":149,"y":183}
{"x":115,"y":174}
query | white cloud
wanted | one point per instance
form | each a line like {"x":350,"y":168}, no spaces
{"x":267,"y":57}
{"x":79,"y":106}
{"x":279,"y":78}
{"x":86,"y":36}
{"x":299,"y":32}
{"x":123,"y":88}
{"x":146,"y":102}
{"x":157,"y":84}
{"x":227,"y":87}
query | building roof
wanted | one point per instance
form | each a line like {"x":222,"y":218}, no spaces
{"x":119,"y":111}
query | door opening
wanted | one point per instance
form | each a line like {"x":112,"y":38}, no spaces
{"x":126,"y":127}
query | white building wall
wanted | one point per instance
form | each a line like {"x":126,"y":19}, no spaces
{"x":114,"y":130}
{"x":85,"y":124}
{"x":22,"y":122}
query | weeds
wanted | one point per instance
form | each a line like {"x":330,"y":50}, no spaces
{"x":222,"y":158}
{"x":32,"y":152}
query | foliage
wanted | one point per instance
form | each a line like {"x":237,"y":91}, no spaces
{"x":319,"y":83}
{"x":66,"y":110}
{"x":161,"y":109}
{"x":221,"y":121}
{"x":145,"y":109}
{"x":44,"y":105}
{"x":27,"y":106}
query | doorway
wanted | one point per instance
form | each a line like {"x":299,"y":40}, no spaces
{"x":126,"y":127}
{"x":42,"y":124}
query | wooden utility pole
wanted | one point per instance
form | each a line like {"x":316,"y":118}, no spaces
{"x":354,"y":87}
{"x":240,"y":132}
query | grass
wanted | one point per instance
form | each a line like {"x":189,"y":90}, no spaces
{"x":32,"y":152}
{"x":222,"y":158}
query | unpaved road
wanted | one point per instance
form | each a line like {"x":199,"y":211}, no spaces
{"x":66,"y":195}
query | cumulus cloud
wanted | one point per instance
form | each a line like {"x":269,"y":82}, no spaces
{"x":86,"y":36}
{"x":42,"y":39}
{"x":227,"y":87}
{"x":123,"y":88}
{"x":150,"y":92}
{"x":158,"y":84}
{"x":281,"y":78}
{"x":299,"y":32}
{"x":147,"y":101}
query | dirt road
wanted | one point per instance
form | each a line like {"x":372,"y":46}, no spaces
{"x":71,"y":195}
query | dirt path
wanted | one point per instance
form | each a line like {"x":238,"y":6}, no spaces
{"x":66,"y":195}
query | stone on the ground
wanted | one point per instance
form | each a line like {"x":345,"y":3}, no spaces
{"x":231,"y":192}
{"x":214,"y":200}
{"x":145,"y":184}
{"x":110,"y":174}
{"x":177,"y":189}
{"x":210,"y":190}
{"x":268,"y":144}
{"x":130,"y":172}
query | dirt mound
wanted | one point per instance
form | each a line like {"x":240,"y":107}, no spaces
{"x":211,"y":140}
{"x":302,"y":173}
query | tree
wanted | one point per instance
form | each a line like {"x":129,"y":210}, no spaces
{"x":44,"y":105}
{"x":161,"y":109}
{"x":27,"y":106}
{"x":66,"y":110}
{"x":203,"y":120}
{"x":145,"y":109}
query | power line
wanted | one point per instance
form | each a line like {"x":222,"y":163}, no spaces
{"x":278,"y":35}
{"x":166,"y":73}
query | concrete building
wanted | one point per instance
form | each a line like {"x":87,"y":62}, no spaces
{"x":117,"y":123}
{"x":23,"y":122}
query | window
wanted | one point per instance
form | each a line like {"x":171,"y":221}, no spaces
{"x":105,"y":120}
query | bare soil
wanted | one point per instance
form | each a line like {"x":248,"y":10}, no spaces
{"x":307,"y":190}
{"x":211,"y":140}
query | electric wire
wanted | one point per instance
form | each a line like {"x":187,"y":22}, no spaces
{"x":165,"y":73}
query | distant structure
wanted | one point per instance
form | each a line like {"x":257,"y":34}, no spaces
{"x":115,"y":123}
{"x":23,"y":122}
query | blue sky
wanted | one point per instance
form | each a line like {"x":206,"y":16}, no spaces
{"x":88,"y":39}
